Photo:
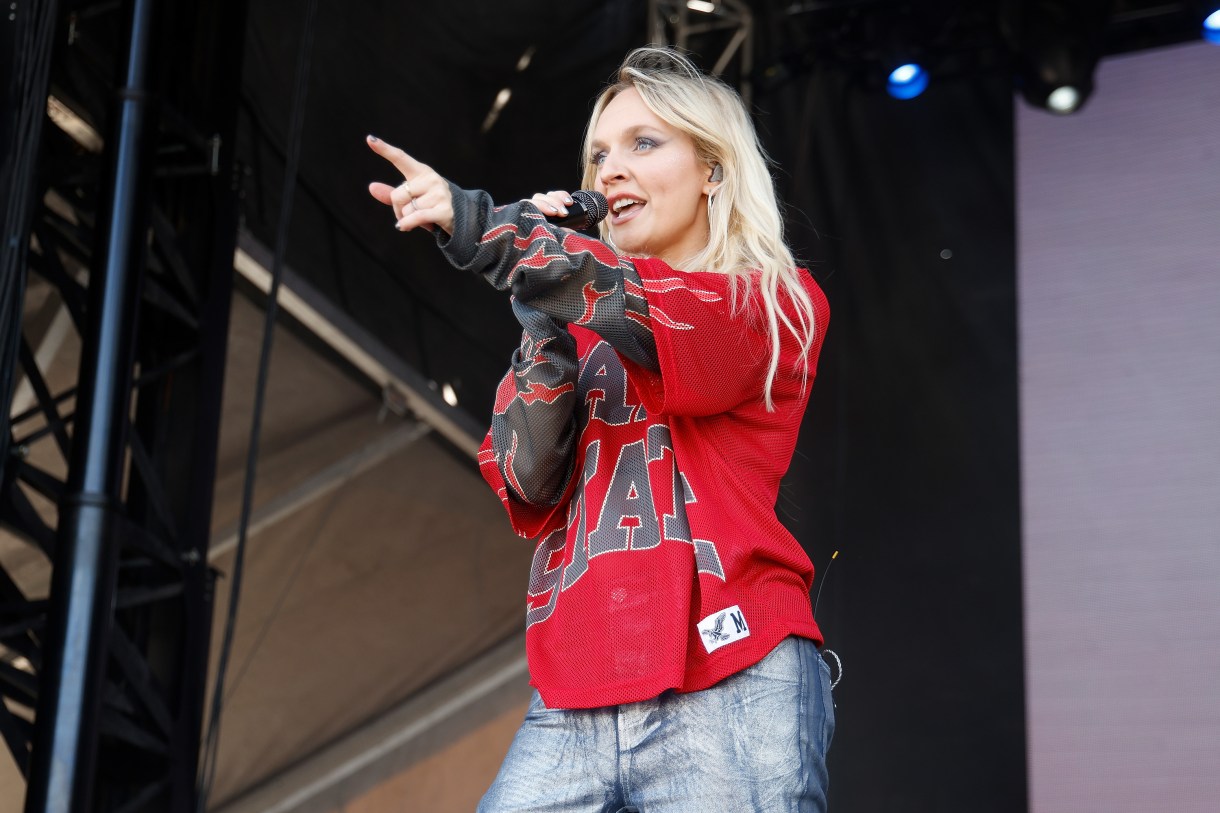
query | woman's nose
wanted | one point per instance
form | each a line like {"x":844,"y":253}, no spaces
{"x":610,"y":170}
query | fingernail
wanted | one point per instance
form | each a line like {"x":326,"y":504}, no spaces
{"x":568,"y":201}
{"x":371,"y":137}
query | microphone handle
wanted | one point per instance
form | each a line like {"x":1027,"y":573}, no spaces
{"x":586,"y":210}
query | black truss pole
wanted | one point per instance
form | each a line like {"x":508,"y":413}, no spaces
{"x":25,"y":54}
{"x":83,"y":581}
{"x":117,"y":706}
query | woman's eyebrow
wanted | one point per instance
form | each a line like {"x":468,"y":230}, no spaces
{"x":630,"y":132}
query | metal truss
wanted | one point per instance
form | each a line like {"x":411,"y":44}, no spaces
{"x":724,"y":27}
{"x":108,"y":461}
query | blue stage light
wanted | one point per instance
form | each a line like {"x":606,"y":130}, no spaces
{"x":907,"y":81}
{"x":1211,"y":27}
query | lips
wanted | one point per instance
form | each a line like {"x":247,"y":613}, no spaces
{"x":624,"y":208}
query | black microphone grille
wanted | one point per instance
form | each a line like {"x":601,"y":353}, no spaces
{"x":594,"y":204}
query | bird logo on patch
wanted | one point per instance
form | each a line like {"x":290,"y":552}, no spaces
{"x":716,"y":633}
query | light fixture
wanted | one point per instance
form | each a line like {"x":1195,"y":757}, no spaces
{"x":907,"y":81}
{"x":900,"y":47}
{"x":526,"y":57}
{"x":701,"y":5}
{"x":1211,"y":27}
{"x":1064,"y":99}
{"x":496,"y":106}
{"x":1058,"y":44}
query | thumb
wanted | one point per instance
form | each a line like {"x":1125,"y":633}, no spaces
{"x":381,"y":192}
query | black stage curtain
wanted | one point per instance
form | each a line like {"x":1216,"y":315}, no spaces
{"x":908,"y":462}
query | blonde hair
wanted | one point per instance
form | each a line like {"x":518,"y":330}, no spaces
{"x":746,"y":232}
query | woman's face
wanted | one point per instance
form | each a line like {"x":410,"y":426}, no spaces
{"x":653,"y":180}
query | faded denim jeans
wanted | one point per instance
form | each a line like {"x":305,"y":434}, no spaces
{"x":756,"y":741}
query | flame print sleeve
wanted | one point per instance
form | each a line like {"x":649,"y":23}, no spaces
{"x":572,"y":278}
{"x":533,"y":425}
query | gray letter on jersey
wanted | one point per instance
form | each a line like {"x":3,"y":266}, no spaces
{"x":629,"y":496}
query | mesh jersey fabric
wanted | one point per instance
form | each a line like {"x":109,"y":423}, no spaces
{"x":631,"y":440}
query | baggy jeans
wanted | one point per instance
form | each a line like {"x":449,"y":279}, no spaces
{"x":756,"y":741}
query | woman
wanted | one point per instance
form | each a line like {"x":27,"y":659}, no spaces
{"x":640,"y":436}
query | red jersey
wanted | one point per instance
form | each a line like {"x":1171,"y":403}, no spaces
{"x":630,"y":438}
{"x":664,"y":566}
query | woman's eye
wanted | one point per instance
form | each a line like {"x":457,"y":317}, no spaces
{"x":597,"y":158}
{"x":643,"y":144}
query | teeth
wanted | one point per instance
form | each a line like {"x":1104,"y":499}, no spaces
{"x":619,"y":204}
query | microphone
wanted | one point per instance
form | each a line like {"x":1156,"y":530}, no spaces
{"x":586,"y":210}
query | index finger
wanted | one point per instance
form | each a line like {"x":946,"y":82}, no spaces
{"x":403,"y":162}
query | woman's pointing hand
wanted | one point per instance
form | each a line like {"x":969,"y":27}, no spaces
{"x":422,"y":199}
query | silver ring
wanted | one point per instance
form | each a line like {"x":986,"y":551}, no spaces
{"x":407,"y":184}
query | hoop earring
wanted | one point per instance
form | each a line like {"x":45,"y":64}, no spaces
{"x":710,"y":198}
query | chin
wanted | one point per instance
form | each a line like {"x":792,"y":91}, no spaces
{"x":627,"y":246}
{"x":633,"y":241}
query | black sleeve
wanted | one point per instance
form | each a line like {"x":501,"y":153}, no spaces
{"x":570,"y":277}
{"x":533,"y":425}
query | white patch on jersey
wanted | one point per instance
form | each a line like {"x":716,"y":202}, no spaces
{"x":723,"y":628}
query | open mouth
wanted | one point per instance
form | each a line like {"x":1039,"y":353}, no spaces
{"x":624,"y":209}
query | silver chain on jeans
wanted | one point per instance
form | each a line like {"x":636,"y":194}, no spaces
{"x":835,"y":680}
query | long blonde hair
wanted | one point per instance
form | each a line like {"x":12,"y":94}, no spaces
{"x":746,"y":230}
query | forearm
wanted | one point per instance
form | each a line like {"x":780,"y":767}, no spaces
{"x":533,"y":426}
{"x":571,"y":278}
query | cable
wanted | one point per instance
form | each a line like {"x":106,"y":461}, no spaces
{"x":296,"y":126}
{"x":825,"y":573}
{"x":817,"y":598}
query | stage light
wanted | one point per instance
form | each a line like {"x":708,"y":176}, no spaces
{"x":1065,"y":99}
{"x":1057,"y":44}
{"x":497,"y":105}
{"x":1211,"y":27}
{"x":907,"y":81}
{"x":701,"y":5}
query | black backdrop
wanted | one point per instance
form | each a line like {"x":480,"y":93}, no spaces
{"x":908,"y":461}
